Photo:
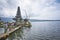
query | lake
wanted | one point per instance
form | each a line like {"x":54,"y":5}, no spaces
{"x":40,"y":30}
{"x":48,"y":30}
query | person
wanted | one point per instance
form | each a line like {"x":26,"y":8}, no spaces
{"x":9,"y":26}
{"x":1,"y":24}
{"x":12,"y":24}
{"x":5,"y":26}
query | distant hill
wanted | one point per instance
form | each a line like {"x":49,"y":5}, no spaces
{"x":32,"y":20}
{"x":35,"y":20}
{"x":6,"y":19}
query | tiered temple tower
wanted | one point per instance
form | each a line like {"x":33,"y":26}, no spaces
{"x":18,"y":17}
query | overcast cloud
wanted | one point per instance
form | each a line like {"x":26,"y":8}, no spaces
{"x":35,"y":9}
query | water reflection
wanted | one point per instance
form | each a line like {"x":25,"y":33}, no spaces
{"x":18,"y":35}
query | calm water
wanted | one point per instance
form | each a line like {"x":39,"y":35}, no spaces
{"x":49,"y":30}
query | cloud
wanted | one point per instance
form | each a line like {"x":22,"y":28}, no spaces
{"x":7,"y":8}
{"x":35,"y":9}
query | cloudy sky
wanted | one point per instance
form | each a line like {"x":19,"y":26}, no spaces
{"x":35,"y":9}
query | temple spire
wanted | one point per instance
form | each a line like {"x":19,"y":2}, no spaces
{"x":18,"y":16}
